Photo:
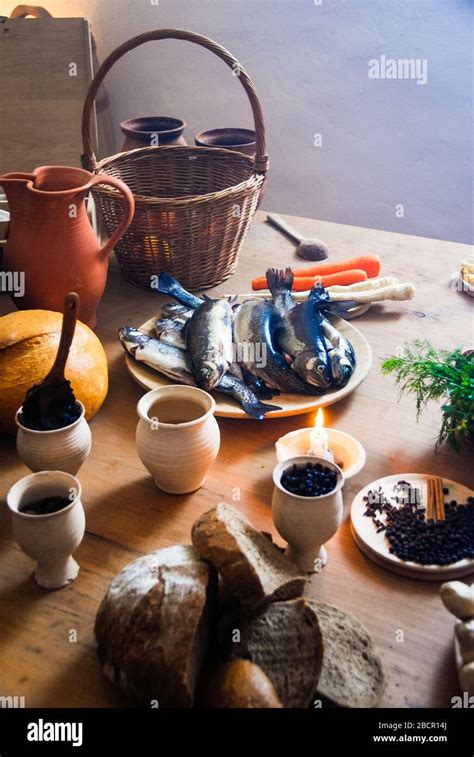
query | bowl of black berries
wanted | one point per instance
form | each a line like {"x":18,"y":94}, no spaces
{"x":61,"y":447}
{"x":307,"y":508}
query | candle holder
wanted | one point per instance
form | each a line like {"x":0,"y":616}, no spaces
{"x":347,"y":452}
{"x":306,"y":523}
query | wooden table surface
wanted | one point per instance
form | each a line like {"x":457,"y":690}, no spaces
{"x":42,"y":659}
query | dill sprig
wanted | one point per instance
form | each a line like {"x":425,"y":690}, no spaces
{"x":434,"y":374}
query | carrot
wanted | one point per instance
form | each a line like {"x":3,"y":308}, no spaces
{"x":302,"y":283}
{"x":368,"y":263}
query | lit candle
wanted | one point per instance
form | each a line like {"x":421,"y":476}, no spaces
{"x":319,"y":443}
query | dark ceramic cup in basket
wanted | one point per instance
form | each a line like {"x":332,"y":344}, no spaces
{"x":239,"y":140}
{"x":152,"y":131}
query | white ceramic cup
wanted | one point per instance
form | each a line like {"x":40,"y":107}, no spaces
{"x":64,"y":449}
{"x":306,"y":523}
{"x":178,"y":455}
{"x":49,"y":539}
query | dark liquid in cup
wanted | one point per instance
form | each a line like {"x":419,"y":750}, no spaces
{"x":45,"y":506}
{"x":176,"y":411}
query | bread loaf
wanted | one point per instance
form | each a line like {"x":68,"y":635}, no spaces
{"x":284,"y":640}
{"x":253,"y":569}
{"x":29,"y":341}
{"x":152,"y":626}
{"x":240,"y":684}
{"x":351,"y":673}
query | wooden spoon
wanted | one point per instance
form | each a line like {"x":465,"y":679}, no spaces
{"x":308,"y":248}
{"x":54,"y":395}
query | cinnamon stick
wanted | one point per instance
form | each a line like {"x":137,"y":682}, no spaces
{"x":429,"y":507}
{"x":440,"y":513}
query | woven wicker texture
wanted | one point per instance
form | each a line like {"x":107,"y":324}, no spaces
{"x":193,"y":205}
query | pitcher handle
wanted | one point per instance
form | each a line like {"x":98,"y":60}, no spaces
{"x":129,"y":209}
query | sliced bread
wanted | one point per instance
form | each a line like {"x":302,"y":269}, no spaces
{"x":284,"y":640}
{"x":253,"y":569}
{"x":351,"y":673}
{"x":153,"y":624}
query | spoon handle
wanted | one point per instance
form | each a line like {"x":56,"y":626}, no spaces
{"x":71,"y":306}
{"x":283,"y":226}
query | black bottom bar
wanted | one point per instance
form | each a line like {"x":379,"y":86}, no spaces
{"x":150,"y":732}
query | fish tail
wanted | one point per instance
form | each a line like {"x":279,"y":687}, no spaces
{"x":319,"y":296}
{"x":279,"y":279}
{"x":258,"y":410}
{"x":167,"y":284}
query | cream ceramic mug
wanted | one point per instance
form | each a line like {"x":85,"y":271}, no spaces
{"x":177,"y":436}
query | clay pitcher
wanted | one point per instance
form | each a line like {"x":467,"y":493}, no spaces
{"x":51,"y":242}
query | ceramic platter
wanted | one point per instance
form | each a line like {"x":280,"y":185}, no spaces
{"x":291,"y":404}
{"x":375,"y":545}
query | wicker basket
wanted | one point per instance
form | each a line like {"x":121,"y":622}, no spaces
{"x":193,"y":205}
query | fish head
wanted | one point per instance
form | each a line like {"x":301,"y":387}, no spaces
{"x":131,"y":338}
{"x":210,"y":372}
{"x":313,"y":369}
{"x":342,"y":367}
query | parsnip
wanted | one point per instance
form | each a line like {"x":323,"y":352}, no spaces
{"x":363,"y":286}
{"x":402,"y":291}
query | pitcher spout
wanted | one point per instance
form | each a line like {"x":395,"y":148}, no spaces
{"x":14,"y":185}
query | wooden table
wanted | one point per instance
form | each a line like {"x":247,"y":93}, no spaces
{"x":128,"y":516}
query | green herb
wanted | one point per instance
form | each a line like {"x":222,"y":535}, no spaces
{"x":432,"y":374}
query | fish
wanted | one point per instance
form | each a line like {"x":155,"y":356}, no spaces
{"x":341,"y":354}
{"x":176,"y":311}
{"x":174,"y":363}
{"x":321,"y":355}
{"x":256,"y":323}
{"x":167,"y":284}
{"x":171,"y":331}
{"x":301,"y":339}
{"x":209,"y":342}
{"x":168,"y":359}
{"x":209,"y":332}
{"x":280,"y":284}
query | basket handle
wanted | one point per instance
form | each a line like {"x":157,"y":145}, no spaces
{"x":23,"y":11}
{"x":89,"y":159}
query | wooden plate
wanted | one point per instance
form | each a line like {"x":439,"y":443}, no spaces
{"x":375,"y":545}
{"x":291,"y":404}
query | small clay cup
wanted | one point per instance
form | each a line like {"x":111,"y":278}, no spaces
{"x":51,"y":538}
{"x":306,"y":523}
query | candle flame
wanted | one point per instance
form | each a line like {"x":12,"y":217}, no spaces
{"x":319,"y":422}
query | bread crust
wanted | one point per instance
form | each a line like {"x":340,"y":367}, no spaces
{"x":153,"y":624}
{"x":240,"y":684}
{"x":253,"y":569}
